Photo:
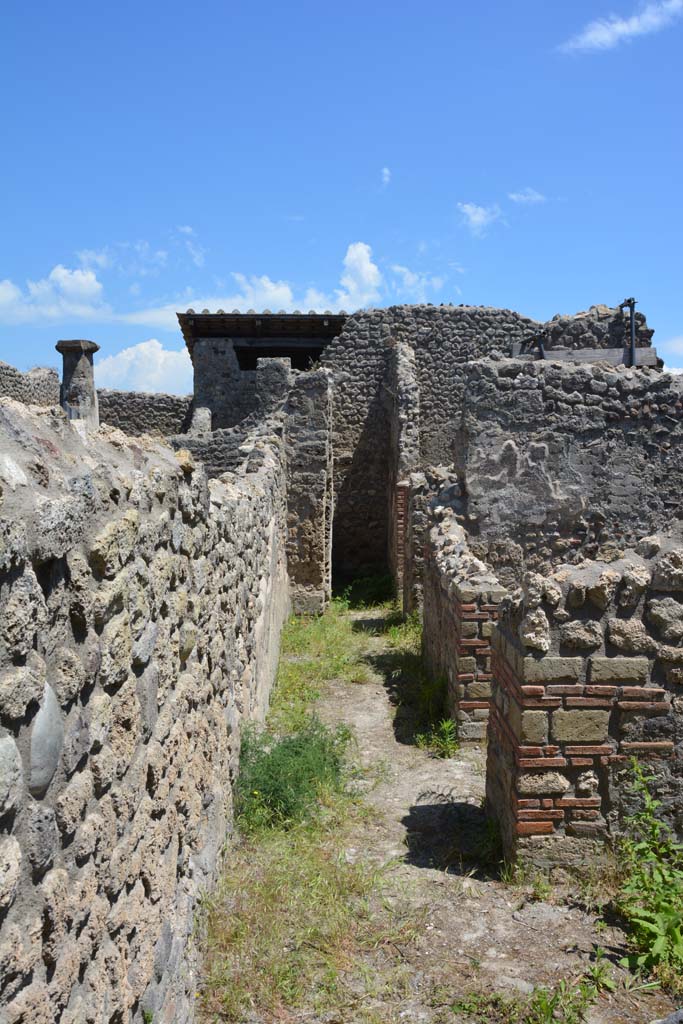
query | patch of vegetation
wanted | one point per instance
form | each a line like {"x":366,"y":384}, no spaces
{"x":291,"y":920}
{"x":650,"y":896}
{"x":281,"y":781}
{"x":297,"y":920}
{"x":368,"y":592}
{"x":420,"y":700}
{"x":564,"y":1003}
{"x":315,"y":650}
{"x":441,"y":740}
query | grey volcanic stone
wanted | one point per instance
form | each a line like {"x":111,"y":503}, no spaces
{"x":10,"y":869}
{"x":46,"y":743}
{"x":11,"y":774}
{"x":42,"y":837}
{"x":76,"y":742}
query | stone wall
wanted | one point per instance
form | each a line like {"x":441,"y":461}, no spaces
{"x":358,"y":360}
{"x":310,"y":496}
{"x":598,"y":327}
{"x":587,"y":671}
{"x":224,"y":395}
{"x":558,"y":461}
{"x":138,"y":412}
{"x":37,"y":387}
{"x":140,"y":610}
{"x":461,"y":600}
{"x":440,"y":341}
{"x":404,"y":418}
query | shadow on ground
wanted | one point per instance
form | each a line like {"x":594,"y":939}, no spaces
{"x":446,"y":832}
{"x":418,"y":701}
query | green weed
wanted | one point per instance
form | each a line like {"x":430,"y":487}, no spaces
{"x":651,"y":893}
{"x":441,"y":740}
{"x":565,"y":1003}
{"x":281,"y":780}
{"x":315,"y":650}
{"x":368,"y":592}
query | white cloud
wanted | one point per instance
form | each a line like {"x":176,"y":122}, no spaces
{"x":63,"y":294}
{"x":672,"y":351}
{"x":133,"y":259}
{"x":196,"y":252}
{"x":526,"y":196}
{"x":100,"y":258}
{"x":606,"y":33}
{"x":146,"y":367}
{"x":386,"y":176}
{"x":361,"y":280}
{"x":414,"y":285}
{"x":77,"y":294}
{"x":479,"y":218}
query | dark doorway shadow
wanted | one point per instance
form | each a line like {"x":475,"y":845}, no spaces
{"x":449,"y":833}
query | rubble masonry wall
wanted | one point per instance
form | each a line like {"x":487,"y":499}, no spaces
{"x":140,"y":612}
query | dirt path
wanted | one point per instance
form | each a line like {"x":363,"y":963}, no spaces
{"x":478,"y":935}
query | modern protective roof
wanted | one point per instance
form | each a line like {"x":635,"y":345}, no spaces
{"x":296,"y":325}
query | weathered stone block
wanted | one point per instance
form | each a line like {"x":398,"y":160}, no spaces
{"x":553,"y":670}
{"x":587,"y":725}
{"x":479,"y":690}
{"x":529,"y":784}
{"x":619,"y":670}
{"x":10,"y":870}
{"x":42,"y":837}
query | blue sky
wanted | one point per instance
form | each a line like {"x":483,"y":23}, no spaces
{"x":159,"y":156}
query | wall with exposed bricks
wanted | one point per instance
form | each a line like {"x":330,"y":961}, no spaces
{"x":587,"y":671}
{"x":461,"y":601}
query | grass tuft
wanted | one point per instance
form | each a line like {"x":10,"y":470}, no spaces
{"x":282,"y":780}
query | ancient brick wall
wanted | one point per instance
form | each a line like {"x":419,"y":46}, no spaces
{"x":598,"y":327}
{"x":140,"y":611}
{"x":137,"y":412}
{"x":461,"y":601}
{"x":37,"y":387}
{"x":587,"y":671}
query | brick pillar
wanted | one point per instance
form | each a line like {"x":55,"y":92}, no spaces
{"x":568,"y":710}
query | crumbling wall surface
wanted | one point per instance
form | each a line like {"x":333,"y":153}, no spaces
{"x":308,"y":444}
{"x":140,"y":610}
{"x":222,"y":451}
{"x":357,"y":358}
{"x":461,"y":601}
{"x":224,"y":394}
{"x":587,"y":672}
{"x":37,"y":387}
{"x":445,"y":338}
{"x":597,"y":327}
{"x":137,"y":412}
{"x":403,"y":396}
{"x":560,"y":461}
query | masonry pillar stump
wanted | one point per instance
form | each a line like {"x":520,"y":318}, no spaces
{"x":77,"y":394}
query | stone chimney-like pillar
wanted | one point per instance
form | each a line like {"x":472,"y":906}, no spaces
{"x":77,"y":395}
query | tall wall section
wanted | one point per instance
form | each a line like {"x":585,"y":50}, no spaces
{"x":558,"y":461}
{"x":140,"y":610}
